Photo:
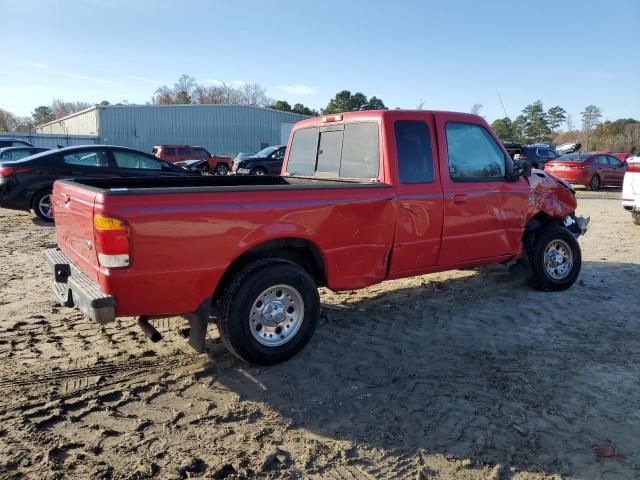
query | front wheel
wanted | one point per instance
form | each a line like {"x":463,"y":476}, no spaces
{"x":555,"y":259}
{"x":594,"y":183}
{"x":222,"y":169}
{"x":43,"y":206}
{"x":269,"y":312}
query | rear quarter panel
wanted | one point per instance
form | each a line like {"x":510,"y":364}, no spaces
{"x":181,"y":244}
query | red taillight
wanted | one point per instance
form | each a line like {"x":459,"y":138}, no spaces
{"x":111,"y":237}
{"x":9,"y":171}
{"x":633,"y":167}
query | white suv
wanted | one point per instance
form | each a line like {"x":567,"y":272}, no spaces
{"x":631,"y":188}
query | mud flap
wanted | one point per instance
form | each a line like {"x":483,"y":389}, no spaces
{"x":198,"y":322}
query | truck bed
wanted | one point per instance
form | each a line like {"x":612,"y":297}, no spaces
{"x":208,"y":184}
{"x":184,"y":232}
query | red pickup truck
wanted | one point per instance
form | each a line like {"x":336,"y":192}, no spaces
{"x":363,"y":197}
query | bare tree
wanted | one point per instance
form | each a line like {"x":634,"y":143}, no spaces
{"x":477,"y":107}
{"x":590,"y":120}
{"x":60,"y":108}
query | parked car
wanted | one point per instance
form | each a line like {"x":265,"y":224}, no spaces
{"x":592,"y":170}
{"x":176,"y":153}
{"x":13,"y":142}
{"x":267,"y":161}
{"x":565,"y":148}
{"x":201,"y":166}
{"x":631,"y":188}
{"x":26,"y":184}
{"x":537,"y":154}
{"x":364,"y":197}
{"x":18,"y":153}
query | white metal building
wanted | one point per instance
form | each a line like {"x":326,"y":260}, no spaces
{"x":226,"y":129}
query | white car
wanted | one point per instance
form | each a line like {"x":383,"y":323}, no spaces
{"x":631,"y":188}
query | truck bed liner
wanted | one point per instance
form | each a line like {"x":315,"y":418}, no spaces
{"x":155,"y":185}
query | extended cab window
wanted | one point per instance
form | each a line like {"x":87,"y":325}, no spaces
{"x":473,"y":153}
{"x":413,"y":146}
{"x":347,"y":151}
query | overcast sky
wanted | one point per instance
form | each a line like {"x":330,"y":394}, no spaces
{"x":449,"y":54}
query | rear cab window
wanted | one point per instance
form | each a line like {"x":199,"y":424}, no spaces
{"x":348,"y":150}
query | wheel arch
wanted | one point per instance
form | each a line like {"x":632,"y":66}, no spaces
{"x":298,"y":250}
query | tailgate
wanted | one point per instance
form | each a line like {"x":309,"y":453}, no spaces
{"x":73,"y":211}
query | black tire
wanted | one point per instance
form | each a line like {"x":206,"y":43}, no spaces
{"x":258,"y":171}
{"x":636,"y":217}
{"x":237,"y":305}
{"x":222,"y":169}
{"x":544,"y":276}
{"x":38,"y":204}
{"x":594,"y":183}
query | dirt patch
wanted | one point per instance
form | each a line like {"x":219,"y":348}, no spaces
{"x":465,"y":374}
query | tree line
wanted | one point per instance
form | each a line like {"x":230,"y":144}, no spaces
{"x":537,"y":125}
{"x":533,"y":125}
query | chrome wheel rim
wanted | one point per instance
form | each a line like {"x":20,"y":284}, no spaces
{"x":44,"y":206}
{"x":558,"y":259}
{"x":276,"y":315}
{"x":221,"y":170}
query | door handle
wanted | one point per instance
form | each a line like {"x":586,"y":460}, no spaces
{"x":459,"y":198}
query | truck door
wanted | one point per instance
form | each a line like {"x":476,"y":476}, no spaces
{"x":473,"y":168}
{"x":412,"y":155}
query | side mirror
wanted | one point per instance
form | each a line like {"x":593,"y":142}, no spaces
{"x":521,"y":168}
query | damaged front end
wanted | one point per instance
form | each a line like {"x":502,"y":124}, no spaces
{"x":551,"y":198}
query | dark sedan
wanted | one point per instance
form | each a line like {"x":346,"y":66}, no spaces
{"x":18,"y":153}
{"x":26,"y":184}
{"x":267,"y":161}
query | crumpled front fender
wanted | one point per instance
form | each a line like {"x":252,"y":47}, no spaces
{"x":550,"y":195}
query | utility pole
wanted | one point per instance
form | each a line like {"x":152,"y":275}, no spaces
{"x":504,"y":109}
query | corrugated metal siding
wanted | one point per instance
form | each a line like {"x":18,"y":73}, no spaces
{"x":52,"y":141}
{"x":81,"y":123}
{"x":219,"y":128}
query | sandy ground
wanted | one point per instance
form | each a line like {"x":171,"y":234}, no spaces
{"x":466,"y":374}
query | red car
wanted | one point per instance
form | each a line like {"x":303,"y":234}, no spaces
{"x":178,"y":153}
{"x":592,"y":170}
{"x":363,"y":197}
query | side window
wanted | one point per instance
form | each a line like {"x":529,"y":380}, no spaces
{"x":415,"y":156}
{"x":304,"y":150}
{"x":200,"y":153}
{"x":602,"y":160}
{"x":170,"y":152}
{"x":614,"y":162}
{"x":132,"y":160}
{"x":16,"y":154}
{"x":88,"y":159}
{"x":184,"y":152}
{"x":279,"y":155}
{"x":473,"y":153}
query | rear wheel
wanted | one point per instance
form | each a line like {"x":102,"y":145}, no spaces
{"x":258,"y":171}
{"x":269,"y":312}
{"x":594,"y":183}
{"x":222,"y":169}
{"x":43,"y":206}
{"x":636,"y":217}
{"x":555,"y":259}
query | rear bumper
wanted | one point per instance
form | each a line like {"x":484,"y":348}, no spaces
{"x":73,"y":288}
